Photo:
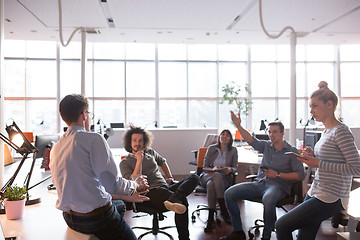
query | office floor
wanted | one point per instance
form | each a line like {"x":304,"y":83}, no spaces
{"x":249,"y":210}
{"x":44,"y":221}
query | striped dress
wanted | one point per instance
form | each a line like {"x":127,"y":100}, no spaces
{"x":339,"y":162}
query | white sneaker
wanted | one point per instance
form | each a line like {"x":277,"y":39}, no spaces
{"x":175,"y":207}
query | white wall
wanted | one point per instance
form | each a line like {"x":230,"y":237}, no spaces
{"x":173,"y":144}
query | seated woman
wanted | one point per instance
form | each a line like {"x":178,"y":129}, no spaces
{"x":220,"y":161}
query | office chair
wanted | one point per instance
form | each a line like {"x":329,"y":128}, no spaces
{"x":157,"y":216}
{"x":209,"y":139}
{"x":294,"y":198}
{"x":200,"y":190}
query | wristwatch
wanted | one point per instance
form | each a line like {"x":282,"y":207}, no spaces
{"x":277,"y":175}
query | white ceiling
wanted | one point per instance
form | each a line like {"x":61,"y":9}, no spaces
{"x":186,"y":21}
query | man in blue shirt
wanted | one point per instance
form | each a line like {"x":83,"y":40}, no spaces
{"x":85,"y":176}
{"x":273,"y":180}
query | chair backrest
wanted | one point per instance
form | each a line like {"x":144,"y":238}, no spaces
{"x":200,"y":159}
{"x":296,"y":195}
{"x":238,"y":136}
{"x":210,"y":139}
{"x":297,"y":191}
{"x":29,"y":136}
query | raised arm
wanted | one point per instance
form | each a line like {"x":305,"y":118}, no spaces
{"x":244,"y":133}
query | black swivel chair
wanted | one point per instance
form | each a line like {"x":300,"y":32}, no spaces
{"x":157,"y":216}
{"x":200,"y":190}
{"x":294,"y":198}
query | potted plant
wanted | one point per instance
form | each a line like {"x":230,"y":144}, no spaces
{"x":232,"y":93}
{"x":14,"y":201}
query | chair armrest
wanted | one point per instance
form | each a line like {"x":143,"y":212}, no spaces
{"x":252,"y":177}
{"x":195,"y":153}
{"x":193,"y":163}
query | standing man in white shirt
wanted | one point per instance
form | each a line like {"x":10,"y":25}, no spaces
{"x":85,"y":175}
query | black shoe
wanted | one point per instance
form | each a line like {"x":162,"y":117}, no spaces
{"x":235,"y":235}
{"x":210,"y":225}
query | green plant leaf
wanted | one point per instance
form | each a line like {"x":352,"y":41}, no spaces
{"x":14,"y":193}
{"x":232,"y":93}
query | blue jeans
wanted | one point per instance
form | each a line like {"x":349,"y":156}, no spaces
{"x":106,"y":225}
{"x":120,"y":206}
{"x":306,"y":217}
{"x":249,"y":191}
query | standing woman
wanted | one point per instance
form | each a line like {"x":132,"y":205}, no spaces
{"x":337,"y":160}
{"x":220,"y":161}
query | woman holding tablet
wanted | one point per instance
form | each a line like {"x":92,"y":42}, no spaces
{"x":337,"y":160}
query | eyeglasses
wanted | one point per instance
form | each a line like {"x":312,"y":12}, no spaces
{"x":91,"y":115}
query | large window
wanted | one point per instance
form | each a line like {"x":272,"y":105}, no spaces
{"x":173,"y":84}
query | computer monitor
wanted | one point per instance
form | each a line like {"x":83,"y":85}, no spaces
{"x":41,"y":141}
{"x":262,"y":136}
{"x":117,"y":125}
{"x":311,"y":138}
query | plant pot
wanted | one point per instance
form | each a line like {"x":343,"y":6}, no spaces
{"x":14,"y":209}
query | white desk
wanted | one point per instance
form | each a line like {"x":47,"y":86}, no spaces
{"x":43,"y":220}
{"x":247,"y":155}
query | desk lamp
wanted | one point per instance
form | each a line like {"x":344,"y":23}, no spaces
{"x":263,"y":126}
{"x":24,"y":150}
{"x":310,"y":121}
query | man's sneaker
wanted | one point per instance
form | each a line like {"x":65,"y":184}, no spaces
{"x":175,"y":207}
{"x":235,"y":235}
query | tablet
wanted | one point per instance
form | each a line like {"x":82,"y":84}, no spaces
{"x":294,"y":154}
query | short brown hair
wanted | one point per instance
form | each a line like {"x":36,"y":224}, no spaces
{"x":148,"y":137}
{"x":279,"y":124}
{"x":71,"y":106}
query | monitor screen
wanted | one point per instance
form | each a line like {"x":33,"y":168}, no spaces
{"x":311,"y":138}
{"x":262,"y":136}
{"x":41,"y":141}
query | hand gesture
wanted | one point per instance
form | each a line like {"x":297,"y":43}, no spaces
{"x":137,"y":198}
{"x":226,"y":170}
{"x":308,"y":152}
{"x":141,"y":183}
{"x":312,"y":162}
{"x":169,"y":180}
{"x":235,"y":119}
{"x":139,"y":155}
{"x":270,"y":173}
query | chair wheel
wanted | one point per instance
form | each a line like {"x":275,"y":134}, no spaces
{"x":193,"y":218}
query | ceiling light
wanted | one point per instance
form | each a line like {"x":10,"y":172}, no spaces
{"x":105,"y":8}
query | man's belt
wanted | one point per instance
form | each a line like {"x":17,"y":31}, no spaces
{"x":94,"y":212}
